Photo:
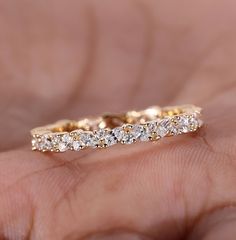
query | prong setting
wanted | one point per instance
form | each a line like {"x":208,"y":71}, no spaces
{"x":128,"y":133}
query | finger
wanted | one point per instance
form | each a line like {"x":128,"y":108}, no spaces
{"x":217,"y":225}
{"x":63,"y":74}
{"x":151,"y":190}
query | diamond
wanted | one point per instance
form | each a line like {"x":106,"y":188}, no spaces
{"x":37,"y":143}
{"x":141,"y":132}
{"x":151,"y":130}
{"x":62,"y":147}
{"x":105,"y":138}
{"x":152,"y":127}
{"x":183,"y":124}
{"x":77,"y":145}
{"x":110,"y":139}
{"x":87,"y":139}
{"x":55,"y":140}
{"x":34,"y":143}
{"x":123,"y":134}
{"x":128,"y":139}
{"x":149,"y":124}
{"x":98,"y":138}
{"x":63,"y":142}
{"x":118,"y":133}
{"x":66,"y":138}
{"x":130,"y":134}
{"x":43,"y":143}
{"x":163,"y":127}
{"x":193,"y":123}
{"x":48,"y":143}
{"x":148,"y":131}
{"x":137,"y":131}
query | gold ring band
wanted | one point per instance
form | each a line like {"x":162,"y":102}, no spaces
{"x":104,"y":131}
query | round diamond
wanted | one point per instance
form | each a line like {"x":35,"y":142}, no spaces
{"x":118,"y":133}
{"x":129,"y":134}
{"x":34,"y":143}
{"x":110,"y":139}
{"x":62,"y":147}
{"x":137,"y":131}
{"x":66,"y":138}
{"x":98,"y":138}
{"x":152,"y":127}
{"x":193,"y":123}
{"x":77,"y":145}
{"x":47,"y":143}
{"x":63,"y":142}
{"x":145,"y":136}
{"x":38,"y":144}
{"x":141,"y":132}
{"x":147,"y":131}
{"x":183,"y":124}
{"x":128,"y":139}
{"x":151,"y":130}
{"x":55,"y":141}
{"x":163,"y":127}
{"x":105,"y":138}
{"x":87,"y":139}
{"x":44,"y":143}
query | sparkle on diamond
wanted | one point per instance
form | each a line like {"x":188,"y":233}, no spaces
{"x":87,"y":139}
{"x":164,"y":127}
{"x":77,"y":145}
{"x":43,"y":143}
{"x":63,"y":142}
{"x":107,"y":138}
{"x":126,"y":134}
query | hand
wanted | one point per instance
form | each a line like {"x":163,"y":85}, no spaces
{"x":69,"y":59}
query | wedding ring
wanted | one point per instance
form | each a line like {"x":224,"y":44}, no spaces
{"x":109,"y":129}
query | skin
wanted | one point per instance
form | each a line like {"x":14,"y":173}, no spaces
{"x":68,"y":59}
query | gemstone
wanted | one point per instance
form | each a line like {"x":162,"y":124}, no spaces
{"x":128,"y":138}
{"x":106,"y":138}
{"x":183,"y":124}
{"x":150,"y":131}
{"x":152,"y":127}
{"x":163,"y":127}
{"x":63,"y":142}
{"x":98,"y":138}
{"x":110,"y":139}
{"x":118,"y":133}
{"x":43,"y":143}
{"x":87,"y":139}
{"x":38,"y":144}
{"x":56,"y":140}
{"x":141,"y":132}
{"x":62,"y":147}
{"x":77,"y":145}
{"x":130,"y":134}
{"x":193,"y":123}
{"x":137,"y":131}
{"x":34,"y":143}
{"x":66,"y":138}
{"x":47,"y":143}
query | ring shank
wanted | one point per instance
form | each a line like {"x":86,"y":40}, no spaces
{"x":111,"y":121}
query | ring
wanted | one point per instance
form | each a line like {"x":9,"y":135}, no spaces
{"x":109,"y":129}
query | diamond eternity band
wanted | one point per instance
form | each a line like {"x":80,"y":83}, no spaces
{"x":107,"y":130}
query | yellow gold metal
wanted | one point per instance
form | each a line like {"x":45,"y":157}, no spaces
{"x":113,"y":120}
{"x":110,"y":121}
